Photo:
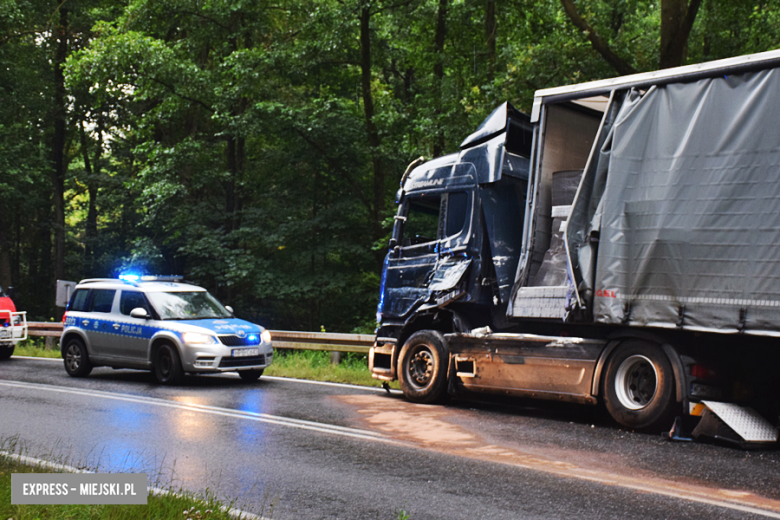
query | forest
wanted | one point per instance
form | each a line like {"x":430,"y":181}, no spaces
{"x":255,"y":146}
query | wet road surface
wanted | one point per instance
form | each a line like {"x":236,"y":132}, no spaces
{"x":288,"y":449}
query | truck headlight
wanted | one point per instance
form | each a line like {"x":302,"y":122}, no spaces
{"x":196,"y":338}
{"x":266,"y":335}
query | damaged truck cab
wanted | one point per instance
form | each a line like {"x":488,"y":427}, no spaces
{"x":592,"y":252}
{"x":457,"y":238}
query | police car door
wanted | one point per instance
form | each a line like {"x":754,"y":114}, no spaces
{"x":133,"y":333}
{"x":97,"y":322}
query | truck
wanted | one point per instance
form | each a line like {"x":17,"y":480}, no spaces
{"x":13,"y":325}
{"x":618,"y":246}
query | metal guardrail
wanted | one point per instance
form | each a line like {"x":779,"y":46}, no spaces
{"x":327,"y":341}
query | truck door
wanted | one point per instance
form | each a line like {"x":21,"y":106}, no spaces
{"x":428,"y":223}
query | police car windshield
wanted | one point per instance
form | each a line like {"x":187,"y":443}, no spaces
{"x":190,"y":305}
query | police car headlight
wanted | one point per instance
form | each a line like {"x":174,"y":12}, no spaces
{"x":266,"y":335}
{"x":196,"y":338}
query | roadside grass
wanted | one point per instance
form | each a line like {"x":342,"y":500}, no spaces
{"x":300,"y":364}
{"x":316,"y":366}
{"x":36,"y":347}
{"x":166,"y":506}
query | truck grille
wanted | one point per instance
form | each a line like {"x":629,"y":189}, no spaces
{"x":228,"y":362}
{"x":235,"y":341}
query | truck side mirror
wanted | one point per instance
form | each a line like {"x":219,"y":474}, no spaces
{"x":11,"y":291}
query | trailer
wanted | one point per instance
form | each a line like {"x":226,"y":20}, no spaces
{"x":619,"y":246}
{"x":13,"y":325}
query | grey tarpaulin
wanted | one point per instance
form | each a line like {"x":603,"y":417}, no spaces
{"x":686,"y":209}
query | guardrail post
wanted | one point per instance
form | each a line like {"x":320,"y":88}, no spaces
{"x":49,"y":342}
{"x":335,"y":357}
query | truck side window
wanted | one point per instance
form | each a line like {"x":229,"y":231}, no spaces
{"x":130,"y":300}
{"x":78,"y":302}
{"x":102,"y":300}
{"x":457,"y":204}
{"x":422,"y":220}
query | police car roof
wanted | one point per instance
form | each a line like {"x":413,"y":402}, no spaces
{"x":146,"y":286}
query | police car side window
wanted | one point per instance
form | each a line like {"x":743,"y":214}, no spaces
{"x":130,"y":300}
{"x":102,"y":300}
{"x":78,"y":301}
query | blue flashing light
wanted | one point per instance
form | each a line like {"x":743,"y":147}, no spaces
{"x":252,"y":337}
{"x":129,"y":277}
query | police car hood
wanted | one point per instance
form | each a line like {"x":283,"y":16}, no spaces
{"x":218,"y":326}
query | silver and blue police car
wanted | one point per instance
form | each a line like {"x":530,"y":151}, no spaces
{"x":160,"y":324}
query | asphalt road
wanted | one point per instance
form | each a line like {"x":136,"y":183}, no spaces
{"x":287,"y":449}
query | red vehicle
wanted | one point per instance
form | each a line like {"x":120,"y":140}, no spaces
{"x":13,"y":325}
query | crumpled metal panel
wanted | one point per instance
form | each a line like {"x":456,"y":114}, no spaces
{"x":448,"y":273}
{"x":689,"y":231}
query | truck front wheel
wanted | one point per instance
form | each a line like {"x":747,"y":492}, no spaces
{"x":639,"y":386}
{"x":422,"y":373}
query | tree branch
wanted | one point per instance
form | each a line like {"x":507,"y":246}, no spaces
{"x":173,"y":91}
{"x":598,"y":43}
{"x":333,"y":163}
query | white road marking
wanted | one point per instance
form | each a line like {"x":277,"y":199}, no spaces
{"x":55,"y":466}
{"x":272,"y":378}
{"x":213,"y":410}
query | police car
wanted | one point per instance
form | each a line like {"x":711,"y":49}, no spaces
{"x":160,"y":324}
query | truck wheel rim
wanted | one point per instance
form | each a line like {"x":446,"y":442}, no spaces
{"x":421,"y":367}
{"x":73,"y":358}
{"x":636,"y":382}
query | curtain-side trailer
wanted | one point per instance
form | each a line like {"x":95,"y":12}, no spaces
{"x":620,"y":245}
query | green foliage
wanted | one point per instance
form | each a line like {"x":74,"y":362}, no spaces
{"x":230,"y":142}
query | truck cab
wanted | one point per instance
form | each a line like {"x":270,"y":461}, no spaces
{"x":451,"y":262}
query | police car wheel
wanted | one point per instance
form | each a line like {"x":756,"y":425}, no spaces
{"x":167,"y":365}
{"x":5,"y":352}
{"x":250,"y":375}
{"x":76,"y":359}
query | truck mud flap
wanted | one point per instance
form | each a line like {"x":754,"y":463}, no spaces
{"x":728,"y":423}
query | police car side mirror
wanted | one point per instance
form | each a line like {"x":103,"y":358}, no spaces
{"x":139,"y":312}
{"x":229,"y":309}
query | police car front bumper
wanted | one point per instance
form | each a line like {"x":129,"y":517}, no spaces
{"x":219,"y":358}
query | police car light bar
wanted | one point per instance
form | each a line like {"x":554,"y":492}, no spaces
{"x":129,"y":277}
{"x":169,"y":278}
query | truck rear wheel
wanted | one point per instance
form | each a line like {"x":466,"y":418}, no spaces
{"x":422,"y":373}
{"x":639,"y":386}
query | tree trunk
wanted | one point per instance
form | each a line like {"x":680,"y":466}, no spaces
{"x":5,"y":253}
{"x":92,"y":168}
{"x":490,"y":37}
{"x":438,"y":73}
{"x":374,"y":140}
{"x":677,"y":18}
{"x":60,"y":33}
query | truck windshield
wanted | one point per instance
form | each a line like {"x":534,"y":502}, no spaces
{"x":190,"y":305}
{"x":422,"y":220}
